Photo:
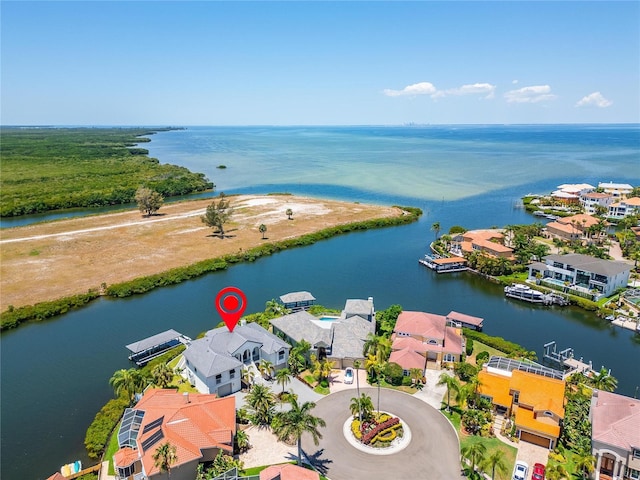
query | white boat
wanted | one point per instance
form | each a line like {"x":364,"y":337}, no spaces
{"x":524,"y":292}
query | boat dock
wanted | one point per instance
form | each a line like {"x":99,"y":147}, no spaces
{"x":527,"y":294}
{"x":444,"y":264}
{"x":566,"y":359}
{"x":145,"y":350}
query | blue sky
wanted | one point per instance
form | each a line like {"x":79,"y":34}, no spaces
{"x":319,"y":63}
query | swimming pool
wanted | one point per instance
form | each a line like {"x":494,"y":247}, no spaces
{"x":327,"y":318}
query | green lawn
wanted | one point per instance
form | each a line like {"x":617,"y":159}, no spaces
{"x":492,"y":444}
{"x":111,"y":449}
{"x":479,"y":347}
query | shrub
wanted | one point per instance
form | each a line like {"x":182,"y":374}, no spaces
{"x":368,"y":437}
{"x":482,"y":356}
{"x":393,"y":374}
{"x":465,"y":371}
{"x":103,"y":424}
{"x":469,"y":348}
{"x":498,"y":343}
{"x":406,"y":381}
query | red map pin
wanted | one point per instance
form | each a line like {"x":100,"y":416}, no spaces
{"x":230,"y":303}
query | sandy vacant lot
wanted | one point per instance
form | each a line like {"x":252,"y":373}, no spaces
{"x":58,"y":259}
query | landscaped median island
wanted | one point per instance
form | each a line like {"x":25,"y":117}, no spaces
{"x":46,"y":269}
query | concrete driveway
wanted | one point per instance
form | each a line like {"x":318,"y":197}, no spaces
{"x":532,"y":454}
{"x":433,"y":452}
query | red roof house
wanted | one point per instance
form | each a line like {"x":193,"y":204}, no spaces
{"x":288,"y":472}
{"x":197,"y":425}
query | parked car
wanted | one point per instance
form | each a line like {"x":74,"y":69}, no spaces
{"x":538,"y":472}
{"x":348,"y":375}
{"x":520,"y":470}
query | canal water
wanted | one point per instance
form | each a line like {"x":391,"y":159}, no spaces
{"x":55,"y":373}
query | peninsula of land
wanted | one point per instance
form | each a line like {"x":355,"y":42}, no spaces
{"x":45,"y":262}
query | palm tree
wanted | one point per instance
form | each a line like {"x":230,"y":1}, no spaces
{"x":289,"y":212}
{"x":297,"y":421}
{"x":127,"y":381}
{"x":556,"y":472}
{"x":164,"y":457}
{"x":242,"y":441}
{"x":362,"y":406}
{"x":452,"y":384}
{"x":416,"y":375}
{"x":321,"y":369}
{"x":162,"y":375}
{"x":603,"y":380}
{"x":496,"y":461}
{"x":261,"y":404}
{"x":378,"y":346}
{"x":298,"y":356}
{"x":475,"y":453}
{"x":265,"y":367}
{"x":376,"y":367}
{"x":262,"y":229}
{"x":247,"y":375}
{"x":436,"y":228}
{"x":585,"y":464}
{"x":283,"y":376}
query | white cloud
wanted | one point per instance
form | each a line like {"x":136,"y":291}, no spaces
{"x":422,"y":88}
{"x":427,"y":88}
{"x":594,"y":99}
{"x":477,"y":88}
{"x":534,"y":94}
{"x":515,"y":82}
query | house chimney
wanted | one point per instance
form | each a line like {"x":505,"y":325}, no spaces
{"x":185,"y":395}
{"x":243,"y":322}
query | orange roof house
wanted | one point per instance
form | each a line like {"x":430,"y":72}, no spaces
{"x":288,"y":472}
{"x":536,"y":401}
{"x":427,"y":335}
{"x":487,"y":241}
{"x":198,"y":425}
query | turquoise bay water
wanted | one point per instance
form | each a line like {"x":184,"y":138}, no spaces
{"x":426,"y":163}
{"x":55,"y":373}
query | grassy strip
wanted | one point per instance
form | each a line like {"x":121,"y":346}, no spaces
{"x":499,"y":343}
{"x":14,"y":317}
{"x":46,"y":169}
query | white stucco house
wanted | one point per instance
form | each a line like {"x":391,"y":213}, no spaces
{"x":582,"y":274}
{"x":214,"y":363}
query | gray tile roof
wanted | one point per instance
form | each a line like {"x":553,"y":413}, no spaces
{"x":212,"y":354}
{"x":294,"y":297}
{"x":349,"y":336}
{"x":363,"y":308}
{"x":591,"y":264}
{"x":300,"y":325}
{"x":207,"y":361}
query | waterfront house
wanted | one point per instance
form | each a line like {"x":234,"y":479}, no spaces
{"x":462,"y":320}
{"x":624,"y":208}
{"x":288,"y":471}
{"x":296,"y":301}
{"x":488,"y":241}
{"x":535,"y":401}
{"x":570,"y":193}
{"x":581,"y":275}
{"x":591,"y":200}
{"x":617,"y":190}
{"x":340,"y":339}
{"x":214,"y":363}
{"x":571,"y":228}
{"x":197,"y":425}
{"x":425,"y":334}
{"x":615,"y":435}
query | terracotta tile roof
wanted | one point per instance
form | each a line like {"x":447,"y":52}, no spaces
{"x":452,"y":341}
{"x":57,"y":476}
{"x":596,"y":195}
{"x":495,"y":386}
{"x":633,"y":201}
{"x":192,"y":423}
{"x":422,"y":324}
{"x":288,"y":472}
{"x":561,"y":227}
{"x":616,"y":420}
{"x":478,"y":235}
{"x":444,"y":261}
{"x":400,"y":343}
{"x":525,"y":420}
{"x":588,"y":220}
{"x":408,"y":359}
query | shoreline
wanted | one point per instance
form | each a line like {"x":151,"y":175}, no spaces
{"x":122,"y":254}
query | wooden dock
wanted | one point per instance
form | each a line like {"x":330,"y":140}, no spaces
{"x":566,"y":359}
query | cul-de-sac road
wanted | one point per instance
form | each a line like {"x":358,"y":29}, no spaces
{"x":432,"y":454}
